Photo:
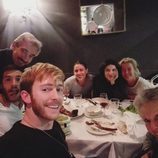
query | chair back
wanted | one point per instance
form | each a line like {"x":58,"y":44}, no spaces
{"x":154,"y":79}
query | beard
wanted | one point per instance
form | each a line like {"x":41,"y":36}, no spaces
{"x":15,"y":96}
{"x":40,"y":110}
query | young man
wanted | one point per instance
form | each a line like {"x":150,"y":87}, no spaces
{"x":38,"y":134}
{"x":22,"y":50}
{"x":11,"y":94}
{"x":147,"y":104}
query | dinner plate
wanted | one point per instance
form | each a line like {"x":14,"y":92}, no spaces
{"x":70,"y":108}
{"x":93,"y":112}
{"x":100,"y":100}
{"x":91,"y":129}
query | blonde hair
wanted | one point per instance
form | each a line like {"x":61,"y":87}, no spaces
{"x":27,"y":37}
{"x":38,"y":72}
{"x":133,"y":62}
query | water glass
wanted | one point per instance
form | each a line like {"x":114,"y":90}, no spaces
{"x":77,"y":99}
{"x":66,"y":93}
{"x":103,"y":95}
{"x":77,"y":96}
{"x":115,"y":102}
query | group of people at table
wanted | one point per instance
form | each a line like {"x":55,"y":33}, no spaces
{"x":119,"y":80}
{"x":31,"y":98}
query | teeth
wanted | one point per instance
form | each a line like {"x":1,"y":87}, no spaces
{"x":54,"y":107}
{"x":14,"y":91}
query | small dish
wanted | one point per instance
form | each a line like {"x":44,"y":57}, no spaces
{"x":93,"y":112}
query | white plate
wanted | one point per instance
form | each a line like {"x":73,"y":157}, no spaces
{"x":98,"y":132}
{"x":105,"y":123}
{"x":93,"y":112}
{"x":100,"y":100}
{"x":70,"y":108}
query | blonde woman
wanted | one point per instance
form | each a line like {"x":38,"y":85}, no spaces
{"x":132,"y":75}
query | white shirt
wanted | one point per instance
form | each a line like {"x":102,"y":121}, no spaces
{"x":138,"y":87}
{"x":8,"y":116}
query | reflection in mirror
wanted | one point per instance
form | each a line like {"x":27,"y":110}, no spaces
{"x":102,"y":18}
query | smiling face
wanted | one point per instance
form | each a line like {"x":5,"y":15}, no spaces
{"x":46,"y":98}
{"x":24,"y":53}
{"x":111,"y":73}
{"x":80,"y":72}
{"x":149,"y":113}
{"x":10,"y":84}
{"x":128,"y":71}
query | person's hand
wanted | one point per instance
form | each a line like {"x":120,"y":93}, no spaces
{"x":3,"y":101}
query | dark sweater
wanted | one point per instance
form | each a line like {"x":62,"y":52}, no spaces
{"x":25,"y":142}
{"x":101,"y":85}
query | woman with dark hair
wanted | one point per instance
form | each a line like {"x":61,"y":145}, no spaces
{"x":109,"y":80}
{"x":80,"y":82}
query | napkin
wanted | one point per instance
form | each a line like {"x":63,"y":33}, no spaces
{"x":135,"y":126}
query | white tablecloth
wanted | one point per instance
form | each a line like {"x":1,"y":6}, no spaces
{"x":119,"y":145}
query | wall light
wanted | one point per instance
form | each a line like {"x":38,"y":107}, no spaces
{"x":17,"y":6}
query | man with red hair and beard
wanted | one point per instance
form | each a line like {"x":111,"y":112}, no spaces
{"x":11,"y":94}
{"x":38,"y":135}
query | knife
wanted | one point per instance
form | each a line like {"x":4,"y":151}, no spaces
{"x":93,"y":102}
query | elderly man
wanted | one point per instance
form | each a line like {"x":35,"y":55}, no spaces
{"x":11,"y":94}
{"x":147,"y":105}
{"x":22,"y":50}
{"x":38,"y":135}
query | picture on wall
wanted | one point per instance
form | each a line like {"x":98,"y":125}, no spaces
{"x":102,"y":18}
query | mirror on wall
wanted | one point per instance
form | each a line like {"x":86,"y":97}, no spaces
{"x":102,"y":18}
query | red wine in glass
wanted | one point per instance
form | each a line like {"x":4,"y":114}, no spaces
{"x":103,"y":105}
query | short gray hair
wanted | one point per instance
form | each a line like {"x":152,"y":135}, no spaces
{"x":147,"y":95}
{"x":27,"y":36}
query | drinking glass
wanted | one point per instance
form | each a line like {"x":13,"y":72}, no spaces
{"x":66,"y":93}
{"x":77,"y":96}
{"x":115,"y":102}
{"x":105,"y":107}
{"x":103,"y":95}
{"x":77,"y":99}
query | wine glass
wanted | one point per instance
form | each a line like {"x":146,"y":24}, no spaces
{"x":77,"y":98}
{"x":104,"y":106}
{"x":115,"y":102}
{"x":66,"y":93}
{"x":103,"y":95}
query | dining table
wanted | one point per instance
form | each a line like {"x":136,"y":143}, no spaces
{"x":85,"y":142}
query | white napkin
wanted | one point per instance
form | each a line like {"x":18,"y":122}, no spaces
{"x":135,"y":125}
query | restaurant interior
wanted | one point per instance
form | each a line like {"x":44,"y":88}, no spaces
{"x":126,"y":28}
{"x":58,"y":25}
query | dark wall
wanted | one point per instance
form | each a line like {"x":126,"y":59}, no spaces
{"x":63,"y":43}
